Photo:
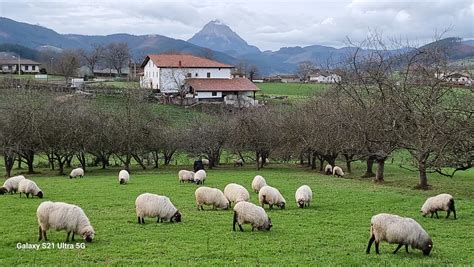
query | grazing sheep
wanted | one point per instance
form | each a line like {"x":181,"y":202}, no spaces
{"x":328,"y":169}
{"x":205,"y":162}
{"x":63,"y":216}
{"x":184,"y":175}
{"x":29,"y":187}
{"x":77,"y":172}
{"x":151,"y":205}
{"x":398,"y":230}
{"x":303,"y":196}
{"x":200,"y":176}
{"x":11,"y":184}
{"x":337,"y":171}
{"x":239,"y":162}
{"x":246,"y":212}
{"x":258,"y":182}
{"x":123,"y":177}
{"x":271,"y":196}
{"x":198,"y":165}
{"x":211,"y":196}
{"x":440,"y":202}
{"x":236,"y":193}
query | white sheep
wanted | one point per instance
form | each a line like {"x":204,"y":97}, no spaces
{"x":123,"y":177}
{"x":151,"y":205}
{"x":303,"y":196}
{"x":184,"y":175}
{"x":63,"y":216}
{"x":11,"y":184}
{"x":205,"y":162}
{"x":246,"y":212}
{"x":440,"y":202}
{"x":328,"y":169}
{"x":238,"y":162}
{"x":236,"y":193}
{"x":271,"y":196}
{"x":337,"y":171}
{"x":258,"y":182}
{"x":200,"y":176}
{"x":398,"y":230}
{"x":78,"y":172}
{"x":267,"y":160}
{"x":210,"y":196}
{"x":29,"y":187}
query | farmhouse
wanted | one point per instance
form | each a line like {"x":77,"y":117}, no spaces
{"x":10,"y":65}
{"x":459,"y":78}
{"x":196,"y":77}
{"x":324,"y":77}
{"x":289,"y":78}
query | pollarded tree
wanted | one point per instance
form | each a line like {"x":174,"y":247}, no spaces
{"x":117,"y":56}
{"x":67,"y":64}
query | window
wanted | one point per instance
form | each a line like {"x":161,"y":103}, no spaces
{"x":26,"y":67}
{"x":189,"y":75}
{"x":214,"y":93}
{"x":195,"y":75}
{"x":9,"y":67}
{"x":33,"y":67}
{"x":208,"y":75}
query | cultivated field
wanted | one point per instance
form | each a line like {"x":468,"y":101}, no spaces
{"x":291,"y":89}
{"x":334,"y":230}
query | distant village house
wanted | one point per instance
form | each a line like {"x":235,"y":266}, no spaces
{"x":10,"y":65}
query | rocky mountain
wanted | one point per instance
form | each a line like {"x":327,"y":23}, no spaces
{"x":217,"y":36}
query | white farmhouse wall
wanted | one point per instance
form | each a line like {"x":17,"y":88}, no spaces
{"x":171,"y":78}
{"x":29,"y":68}
{"x":201,"y":95}
{"x":151,"y":76}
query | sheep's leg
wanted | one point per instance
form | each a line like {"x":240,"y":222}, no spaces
{"x":143,"y":220}
{"x":271,"y":206}
{"x":158,"y":220}
{"x":40,"y":232}
{"x":234,"y":221}
{"x":27,"y":195}
{"x":371,"y":240}
{"x":67,"y":237}
{"x":44,"y":235}
{"x":447,"y":215}
{"x":253,"y":228}
{"x":396,"y":250}
{"x":139,"y":220}
{"x":436,"y":212}
{"x":432,"y":214}
{"x":377,"y":247}
{"x":241,"y":229}
{"x":406,"y":248}
{"x":20,"y":194}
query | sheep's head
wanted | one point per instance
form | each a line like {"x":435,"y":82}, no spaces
{"x":281,"y":205}
{"x":427,"y":247}
{"x":70,"y":176}
{"x":3,"y":190}
{"x":267,"y":225}
{"x":424,"y":212}
{"x":88,"y":233}
{"x":122,"y":181}
{"x":40,"y":194}
{"x":301,"y":203}
{"x":176,"y":217}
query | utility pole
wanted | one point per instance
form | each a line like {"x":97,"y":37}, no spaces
{"x":19,"y":66}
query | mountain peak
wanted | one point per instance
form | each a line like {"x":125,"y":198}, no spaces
{"x":218,"y":36}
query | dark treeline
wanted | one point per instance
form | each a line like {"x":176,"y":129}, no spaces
{"x":376,"y":109}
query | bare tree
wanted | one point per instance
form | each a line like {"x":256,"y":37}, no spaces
{"x":93,"y":56}
{"x":117,"y":56}
{"x":304,"y":70}
{"x":67,"y":64}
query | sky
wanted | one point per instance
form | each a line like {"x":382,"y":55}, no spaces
{"x":267,"y":24}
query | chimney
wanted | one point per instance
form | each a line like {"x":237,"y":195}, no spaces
{"x":179,"y":63}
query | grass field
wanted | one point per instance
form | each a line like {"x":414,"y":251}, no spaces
{"x":291,"y":89}
{"x":334,"y":230}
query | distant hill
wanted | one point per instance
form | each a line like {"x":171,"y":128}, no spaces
{"x":20,"y":50}
{"x":217,"y":36}
{"x":215,"y":40}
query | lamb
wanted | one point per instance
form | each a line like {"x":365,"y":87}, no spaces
{"x":440,"y":202}
{"x":29,"y":187}
{"x":271,"y":196}
{"x":63,"y":216}
{"x":11,"y":184}
{"x":337,"y":171}
{"x":258,"y":182}
{"x":246,"y":212}
{"x":77,"y":172}
{"x":398,"y":230}
{"x":200,"y":176}
{"x":303,"y":196}
{"x":184,"y":175}
{"x":151,"y":205}
{"x":123,"y":177}
{"x":211,"y":196}
{"x":239,"y":162}
{"x":328,"y":169}
{"x":236,"y":193}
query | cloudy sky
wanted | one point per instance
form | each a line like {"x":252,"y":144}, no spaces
{"x":266,"y":24}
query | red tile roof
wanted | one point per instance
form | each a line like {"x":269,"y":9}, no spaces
{"x":222,"y":85}
{"x":183,"y":61}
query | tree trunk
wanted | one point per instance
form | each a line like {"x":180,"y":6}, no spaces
{"x":313,"y":161}
{"x":30,"y":158}
{"x":51,"y":161}
{"x":309,"y":159}
{"x":68,"y":162}
{"x":82,"y":159}
{"x":369,"y":172}
{"x":321,"y":162}
{"x":257,"y":154}
{"x":9,"y":162}
{"x":139,"y":160}
{"x":380,"y":170}
{"x":19,"y":163}
{"x":156,"y":158}
{"x":348,"y":158}
{"x":423,"y":177}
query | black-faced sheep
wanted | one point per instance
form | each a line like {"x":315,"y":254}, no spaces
{"x":337,"y":171}
{"x":78,"y":172}
{"x":210,"y":196}
{"x":29,"y":187}
{"x":303,"y":196}
{"x":258,"y":182}
{"x":246,"y":212}
{"x":271,"y":196}
{"x":11,"y":184}
{"x":123,"y":177}
{"x":440,"y":202}
{"x":151,"y":205}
